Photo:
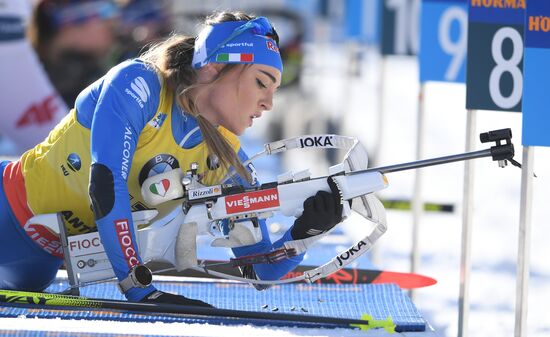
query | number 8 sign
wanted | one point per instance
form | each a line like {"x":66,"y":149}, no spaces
{"x":494,"y":74}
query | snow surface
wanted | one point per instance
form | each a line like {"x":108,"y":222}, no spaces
{"x":496,"y":206}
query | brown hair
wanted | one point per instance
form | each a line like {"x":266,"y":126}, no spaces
{"x":173,"y":59}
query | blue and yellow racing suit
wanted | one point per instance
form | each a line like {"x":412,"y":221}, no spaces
{"x":124,"y":128}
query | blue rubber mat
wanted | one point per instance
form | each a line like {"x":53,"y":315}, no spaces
{"x":18,"y":333}
{"x":347,"y":301}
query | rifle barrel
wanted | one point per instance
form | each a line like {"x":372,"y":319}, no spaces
{"x":428,"y":162}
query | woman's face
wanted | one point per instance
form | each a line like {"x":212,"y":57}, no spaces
{"x":240,"y":96}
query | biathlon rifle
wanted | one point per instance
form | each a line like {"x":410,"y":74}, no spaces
{"x":230,"y":213}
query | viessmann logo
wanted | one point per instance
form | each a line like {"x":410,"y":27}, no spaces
{"x":252,"y":201}
{"x":140,"y":91}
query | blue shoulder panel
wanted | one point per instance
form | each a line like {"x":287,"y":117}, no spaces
{"x":138,"y":88}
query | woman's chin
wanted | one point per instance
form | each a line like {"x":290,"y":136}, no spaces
{"x":237,"y":130}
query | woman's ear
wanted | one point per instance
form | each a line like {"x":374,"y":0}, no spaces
{"x":209,"y":72}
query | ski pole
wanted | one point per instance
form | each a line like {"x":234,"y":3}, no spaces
{"x":18,"y":298}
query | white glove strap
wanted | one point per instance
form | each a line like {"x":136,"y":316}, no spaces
{"x":302,"y":245}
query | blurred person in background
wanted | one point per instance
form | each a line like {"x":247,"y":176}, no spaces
{"x":186,"y":100}
{"x":74,"y":40}
{"x":140,"y":24}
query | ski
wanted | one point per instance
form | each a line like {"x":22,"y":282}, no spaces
{"x":406,"y":205}
{"x":342,"y":276}
{"x":37,"y":300}
{"x":366,"y":276}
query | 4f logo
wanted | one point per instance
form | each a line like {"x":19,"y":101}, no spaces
{"x":39,"y":113}
{"x":316,"y":141}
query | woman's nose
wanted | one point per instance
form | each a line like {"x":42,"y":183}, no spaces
{"x":267,"y":102}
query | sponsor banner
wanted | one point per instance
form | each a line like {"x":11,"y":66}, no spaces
{"x":316,"y":141}
{"x":447,"y":1}
{"x":126,"y":243}
{"x":205,"y":192}
{"x":537,"y":30}
{"x":139,"y":91}
{"x":85,"y":244}
{"x":272,"y":46}
{"x":252,"y":201}
{"x":44,"y":238}
{"x":74,"y":223}
{"x":126,"y":153}
{"x":536,"y":100}
{"x":352,"y":253}
{"x":11,"y":28}
{"x":510,"y":12}
{"x":40,"y":112}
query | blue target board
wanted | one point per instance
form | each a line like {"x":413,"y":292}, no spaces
{"x":399,"y":27}
{"x":494,"y":71}
{"x":362,"y":18}
{"x":443,"y":40}
{"x":536,"y":71}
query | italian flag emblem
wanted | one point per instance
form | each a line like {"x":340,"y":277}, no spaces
{"x":234,"y":57}
{"x":160,"y":188}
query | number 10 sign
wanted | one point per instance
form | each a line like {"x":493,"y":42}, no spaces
{"x":494,"y":74}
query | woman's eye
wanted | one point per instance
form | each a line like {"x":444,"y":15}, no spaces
{"x":260,"y":84}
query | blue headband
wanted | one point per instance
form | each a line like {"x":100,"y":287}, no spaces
{"x":237,"y":42}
